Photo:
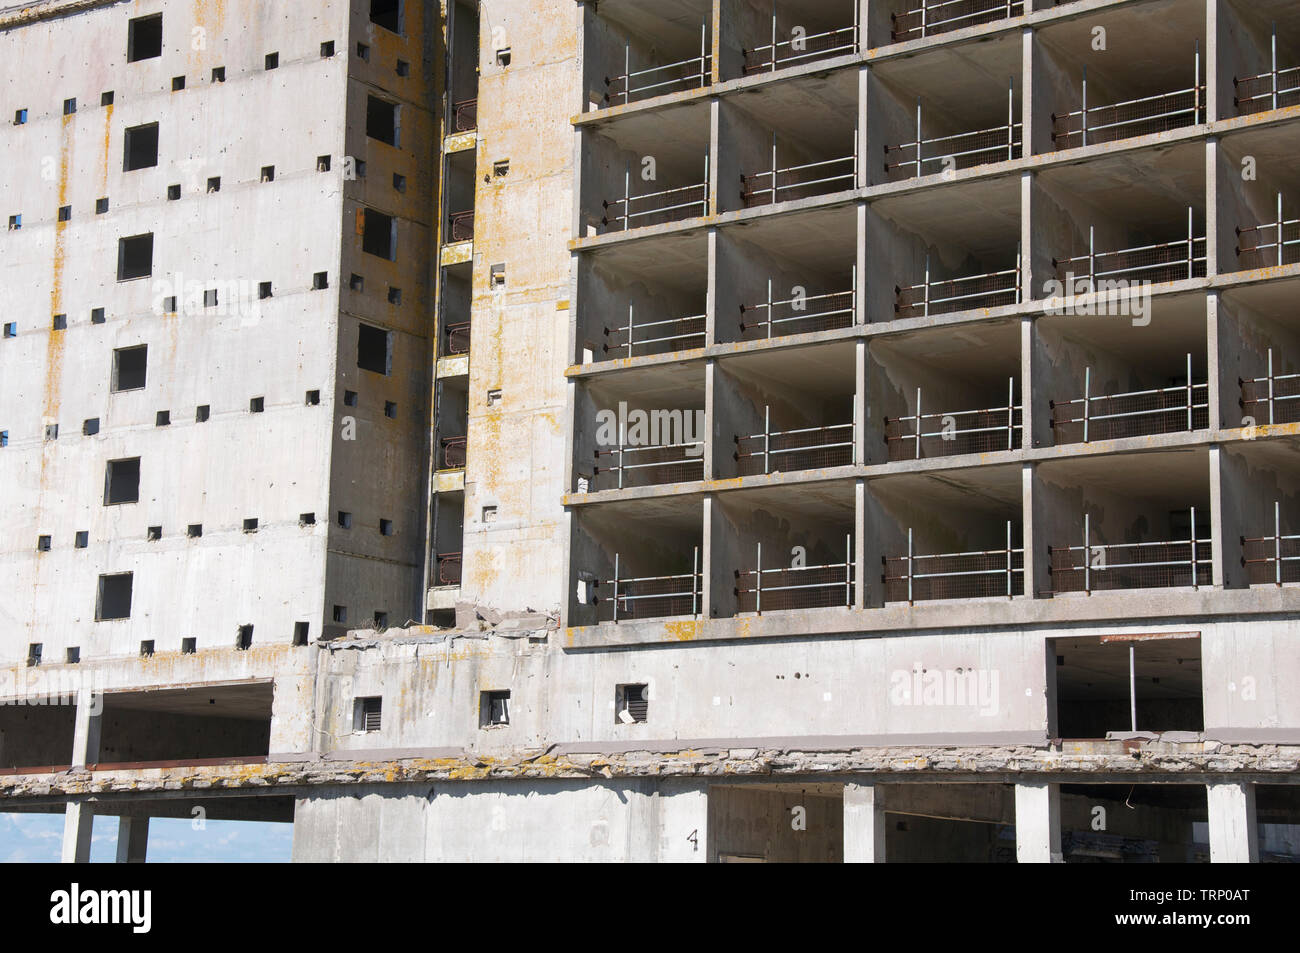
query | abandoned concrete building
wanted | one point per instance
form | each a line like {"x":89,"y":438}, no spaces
{"x":699,"y":430}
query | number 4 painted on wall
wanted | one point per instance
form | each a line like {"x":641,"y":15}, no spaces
{"x":694,"y":838}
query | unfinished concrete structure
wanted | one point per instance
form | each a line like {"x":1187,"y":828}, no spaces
{"x":858,"y":431}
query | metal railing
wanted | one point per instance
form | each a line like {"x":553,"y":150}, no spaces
{"x":649,"y":466}
{"x":462,"y":226}
{"x":1134,"y":414}
{"x":943,"y":16}
{"x":1182,"y":259}
{"x":785,"y":451}
{"x":1272,"y":244}
{"x":992,"y":290}
{"x":804,"y":48}
{"x":974,"y":575}
{"x":449,"y":566}
{"x":656,"y":208}
{"x":691,"y":73}
{"x":1268,"y":91}
{"x":453,"y":453}
{"x":1091,"y":125}
{"x":957,"y":432}
{"x":779,"y":184}
{"x":802,"y":313}
{"x":962,"y":150}
{"x":797,"y":587}
{"x":1273,"y":398}
{"x":465,"y":115}
{"x":1272,"y":559}
{"x":1160,"y":565}
{"x":670,"y":334}
{"x":457,"y":338}
{"x":652,"y":597}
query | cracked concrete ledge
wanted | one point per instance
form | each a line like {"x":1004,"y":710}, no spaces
{"x":25,"y":13}
{"x":1070,"y":762}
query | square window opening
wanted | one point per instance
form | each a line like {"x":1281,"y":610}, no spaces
{"x":382,"y":120}
{"x":374,"y":349}
{"x":367,"y":714}
{"x":189,"y":646}
{"x":202,"y":413}
{"x":144,"y":38}
{"x":493,"y":708}
{"x":140,"y":147}
{"x":122,"y":482}
{"x":378,"y":234}
{"x":130,"y":368}
{"x":114,"y":597}
{"x":194,"y":530}
{"x":135,"y":257}
{"x":300,"y":633}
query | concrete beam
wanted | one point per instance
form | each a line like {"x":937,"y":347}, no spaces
{"x":85,"y":739}
{"x":864,"y":824}
{"x":1234,"y":833}
{"x":1038,"y":823}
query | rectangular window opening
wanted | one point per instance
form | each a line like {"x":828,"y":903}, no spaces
{"x":300,"y":633}
{"x":494,"y":708}
{"x":378,"y":234}
{"x":135,"y":257}
{"x":144,"y":38}
{"x":140,"y":147}
{"x":382,"y":120}
{"x":244,"y":639}
{"x":368,"y":714}
{"x":122,"y":481}
{"x":374,"y":349}
{"x":130,"y":367}
{"x":114,"y":597}
{"x":632,"y":703}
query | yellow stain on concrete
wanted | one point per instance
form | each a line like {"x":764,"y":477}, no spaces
{"x":686,"y":630}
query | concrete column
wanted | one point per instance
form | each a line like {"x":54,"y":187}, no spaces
{"x":711,"y":292}
{"x":77,"y":821}
{"x":860,"y":304}
{"x":132,"y":839}
{"x":864,"y":824}
{"x":85,"y":738}
{"x":1212,"y":236}
{"x":1219,"y":520}
{"x":863,"y":173}
{"x":683,"y":822}
{"x":1038,"y":823}
{"x":1027,"y":291}
{"x":860,"y":544}
{"x":1035,"y":544}
{"x":715,"y":138}
{"x":1234,"y":834}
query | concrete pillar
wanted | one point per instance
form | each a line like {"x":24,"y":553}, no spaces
{"x":1234,"y":834}
{"x":85,"y":738}
{"x":132,"y":839}
{"x":683,"y":822}
{"x":864,"y":824}
{"x":1038,"y":823}
{"x":77,"y":824}
{"x":860,"y":544}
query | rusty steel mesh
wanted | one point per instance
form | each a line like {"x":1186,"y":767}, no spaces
{"x":817,"y":47}
{"x":1152,"y":413}
{"x":949,"y":15}
{"x":825,"y":588}
{"x":1126,"y":120}
{"x":826,"y":313}
{"x":943,"y":582}
{"x":453,"y":453}
{"x":990,"y":434}
{"x":689,"y":74}
{"x":788,"y":452}
{"x":965,"y":152}
{"x":462,"y":226}
{"x":1257,"y":246}
{"x":1176,"y":261}
{"x":1259,"y":557}
{"x":1255,"y":95}
{"x":679,"y":334}
{"x":1156,"y":566}
{"x":671,"y":206}
{"x":647,"y":466}
{"x":465,"y":115}
{"x":449,"y":569}
{"x":958,"y":294}
{"x":834,"y":175}
{"x":457,"y":338}
{"x":1286,"y":400}
{"x":650,"y":598}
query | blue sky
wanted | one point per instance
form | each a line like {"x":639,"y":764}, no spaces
{"x":37,"y":838}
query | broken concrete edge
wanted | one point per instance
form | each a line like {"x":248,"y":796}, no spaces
{"x":1154,"y":762}
{"x":508,"y":626}
{"x":25,"y":13}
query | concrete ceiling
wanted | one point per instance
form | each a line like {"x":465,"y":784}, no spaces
{"x":668,"y":25}
{"x":1153,"y":185}
{"x":816,"y":505}
{"x":983,"y":354}
{"x":654,"y":517}
{"x":1095,"y":670}
{"x":992,"y":491}
{"x":945,"y":80}
{"x":677,"y":136}
{"x":819,"y":371}
{"x":822,"y":240}
{"x":1160,"y":348}
{"x":251,"y":700}
{"x":1274,"y":299}
{"x":978,"y":217}
{"x":816,"y":113}
{"x":1164,"y":478}
{"x":663,"y":386}
{"x":678,"y":261}
{"x":1149,"y":46}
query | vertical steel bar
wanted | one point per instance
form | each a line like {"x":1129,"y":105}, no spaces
{"x":1195,"y":578}
{"x":1190,"y":392}
{"x":1279,"y":229}
{"x":910,"y":568}
{"x":767,"y":438}
{"x":1087,"y":554}
{"x":848,"y":570}
{"x":629,"y":329}
{"x":774,"y":64}
{"x":1277,"y":542}
{"x":616,"y":587}
{"x":1011,"y":112}
{"x":1196,"y":88}
{"x":926,"y":310}
{"x":1008,"y":559}
{"x":1011,"y":413}
{"x":1132,"y":685}
{"x":1087,"y":400}
{"x":758,"y":581}
{"x":695,"y":583}
{"x":1084,"y":112}
{"x":919,"y":169}
{"x":1191,"y":242}
{"x":627,"y":72}
{"x":769,"y":309}
{"x":919,"y":432}
{"x":1273,"y":70}
{"x":1092,"y":259}
{"x":1270,"y":387}
{"x":627,"y":195}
